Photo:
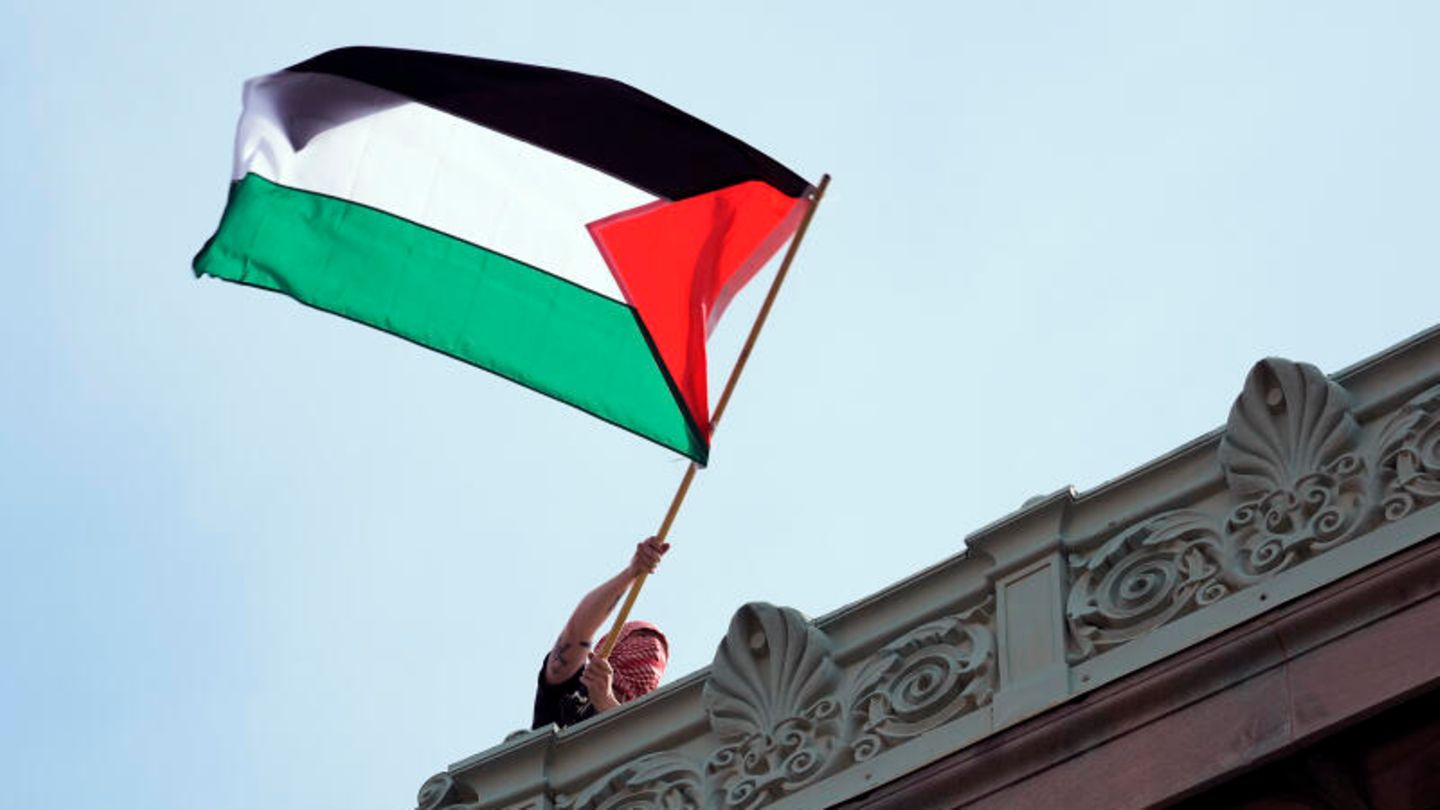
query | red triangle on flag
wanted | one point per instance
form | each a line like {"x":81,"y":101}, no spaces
{"x":680,"y":263}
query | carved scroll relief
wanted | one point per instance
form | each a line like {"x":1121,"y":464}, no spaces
{"x":1409,"y":456}
{"x":924,"y":679}
{"x":785,"y":715}
{"x":1143,"y":578}
{"x":1301,"y":480}
{"x":664,"y":781}
{"x":1300,"y":484}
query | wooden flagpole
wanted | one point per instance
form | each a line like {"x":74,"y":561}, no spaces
{"x":719,"y":408}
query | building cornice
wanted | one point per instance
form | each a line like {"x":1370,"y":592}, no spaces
{"x":1311,"y":479}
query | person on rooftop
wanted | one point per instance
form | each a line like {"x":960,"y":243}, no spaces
{"x":575,"y":683}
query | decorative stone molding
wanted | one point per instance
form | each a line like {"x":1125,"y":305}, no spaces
{"x":772,"y":699}
{"x":1409,"y":457}
{"x":1144,"y":577}
{"x":1287,"y":458}
{"x":1301,"y":483}
{"x":443,"y":792}
{"x":1289,"y":421}
{"x":924,"y":679}
{"x":1310,"y":481}
{"x":785,"y":716}
{"x":665,"y":781}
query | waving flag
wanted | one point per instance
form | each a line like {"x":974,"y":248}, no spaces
{"x":565,"y":231}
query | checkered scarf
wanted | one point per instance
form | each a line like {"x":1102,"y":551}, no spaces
{"x":638,"y":660}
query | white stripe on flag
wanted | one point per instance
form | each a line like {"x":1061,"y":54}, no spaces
{"x":347,"y":139}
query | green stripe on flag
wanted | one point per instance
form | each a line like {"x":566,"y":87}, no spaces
{"x":502,"y":315}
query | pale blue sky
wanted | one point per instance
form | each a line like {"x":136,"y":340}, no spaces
{"x":255,"y":556}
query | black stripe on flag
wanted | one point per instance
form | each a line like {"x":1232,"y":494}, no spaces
{"x":603,"y":123}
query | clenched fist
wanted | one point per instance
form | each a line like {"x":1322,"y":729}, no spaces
{"x":647,"y":556}
{"x":597,"y":679}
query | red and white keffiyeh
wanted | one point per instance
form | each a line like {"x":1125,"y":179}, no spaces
{"x":638,"y":660}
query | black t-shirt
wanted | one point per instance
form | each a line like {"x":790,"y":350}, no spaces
{"x":563,"y":704}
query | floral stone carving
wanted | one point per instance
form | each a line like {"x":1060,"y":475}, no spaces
{"x":1409,"y":456}
{"x":786,"y":716}
{"x":1289,"y":421}
{"x":924,"y":679}
{"x":772,"y":699}
{"x":1301,"y":476}
{"x":1299,"y":484}
{"x":1287,"y":458}
{"x":664,"y":781}
{"x":1142,"y":578}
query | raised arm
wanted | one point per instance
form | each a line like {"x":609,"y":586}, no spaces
{"x":572,"y":648}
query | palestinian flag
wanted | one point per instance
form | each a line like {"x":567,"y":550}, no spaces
{"x":565,"y":231}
